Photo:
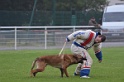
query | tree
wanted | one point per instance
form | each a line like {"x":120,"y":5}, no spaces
{"x":16,"y":5}
{"x":61,"y":5}
{"x":81,"y":4}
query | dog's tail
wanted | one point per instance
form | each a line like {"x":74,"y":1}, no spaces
{"x":33,"y":64}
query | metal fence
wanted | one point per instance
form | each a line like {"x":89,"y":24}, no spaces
{"x":46,"y":18}
{"x":38,"y":37}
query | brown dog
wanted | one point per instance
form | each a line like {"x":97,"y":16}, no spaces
{"x":61,"y":62}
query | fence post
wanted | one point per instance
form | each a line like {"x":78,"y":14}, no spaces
{"x":32,"y":14}
{"x":45,"y":33}
{"x":15,"y":38}
{"x":73,"y":28}
{"x":53,"y":12}
{"x":73,"y":17}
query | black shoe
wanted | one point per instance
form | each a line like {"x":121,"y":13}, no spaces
{"x":76,"y":74}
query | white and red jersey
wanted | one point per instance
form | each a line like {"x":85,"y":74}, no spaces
{"x":84,"y":39}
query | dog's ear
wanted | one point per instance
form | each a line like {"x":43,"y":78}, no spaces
{"x":77,"y":56}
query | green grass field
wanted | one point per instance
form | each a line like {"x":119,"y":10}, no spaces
{"x":15,"y":67}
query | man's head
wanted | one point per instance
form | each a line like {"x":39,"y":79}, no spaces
{"x":100,"y":38}
{"x":93,"y":19}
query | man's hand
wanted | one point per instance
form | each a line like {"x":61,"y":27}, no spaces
{"x":67,"y":40}
{"x":99,"y":25}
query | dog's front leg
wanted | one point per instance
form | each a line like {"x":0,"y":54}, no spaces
{"x":61,"y":72}
{"x":65,"y":71}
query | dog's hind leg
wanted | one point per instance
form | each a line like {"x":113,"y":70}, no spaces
{"x":33,"y":65}
{"x":40,"y":68}
{"x":35,"y":71}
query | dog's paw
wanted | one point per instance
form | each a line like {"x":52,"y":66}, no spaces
{"x":32,"y":74}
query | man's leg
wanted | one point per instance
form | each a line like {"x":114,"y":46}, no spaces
{"x":85,"y":69}
{"x":78,"y":69}
{"x":77,"y":50}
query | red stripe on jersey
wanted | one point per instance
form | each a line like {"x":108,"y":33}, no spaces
{"x":88,"y":40}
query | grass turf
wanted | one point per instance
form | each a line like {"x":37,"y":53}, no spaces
{"x":15,"y":67}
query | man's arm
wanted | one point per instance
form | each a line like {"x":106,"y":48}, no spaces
{"x":98,"y":52}
{"x":94,"y":24}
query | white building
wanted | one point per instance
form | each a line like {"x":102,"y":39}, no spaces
{"x":113,"y":2}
